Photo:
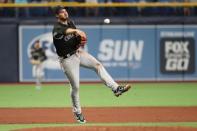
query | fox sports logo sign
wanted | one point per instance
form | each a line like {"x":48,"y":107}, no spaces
{"x":46,"y":42}
{"x":177,"y":55}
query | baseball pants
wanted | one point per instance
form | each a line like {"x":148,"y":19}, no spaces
{"x":71,"y":66}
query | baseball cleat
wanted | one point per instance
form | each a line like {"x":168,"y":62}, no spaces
{"x":121,"y":89}
{"x":80,"y":118}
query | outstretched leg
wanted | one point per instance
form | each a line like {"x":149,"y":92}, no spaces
{"x":88,"y":61}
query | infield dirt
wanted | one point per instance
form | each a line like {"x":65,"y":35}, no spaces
{"x":101,"y":115}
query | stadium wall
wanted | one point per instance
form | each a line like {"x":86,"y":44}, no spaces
{"x":143,"y":50}
{"x":9,"y":53}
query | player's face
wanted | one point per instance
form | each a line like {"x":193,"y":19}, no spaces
{"x":63,"y":15}
{"x":37,"y":45}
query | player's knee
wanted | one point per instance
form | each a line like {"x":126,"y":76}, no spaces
{"x":98,"y":66}
{"x":74,"y":87}
{"x":74,"y":90}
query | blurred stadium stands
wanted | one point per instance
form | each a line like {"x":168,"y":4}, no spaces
{"x":112,"y":11}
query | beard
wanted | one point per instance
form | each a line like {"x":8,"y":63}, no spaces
{"x":64,"y":19}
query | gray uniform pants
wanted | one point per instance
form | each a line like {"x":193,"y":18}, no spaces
{"x":71,"y":67}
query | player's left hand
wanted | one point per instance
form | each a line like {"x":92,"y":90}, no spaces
{"x":83,"y":37}
{"x":83,"y":41}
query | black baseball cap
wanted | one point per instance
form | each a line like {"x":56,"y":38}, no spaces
{"x":58,"y":8}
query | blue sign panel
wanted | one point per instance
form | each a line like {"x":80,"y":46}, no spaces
{"x":127,"y":52}
{"x":142,"y":50}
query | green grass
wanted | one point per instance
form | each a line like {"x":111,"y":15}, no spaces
{"x":97,"y":95}
{"x":8,"y":127}
{"x":180,"y":94}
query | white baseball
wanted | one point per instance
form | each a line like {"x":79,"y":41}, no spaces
{"x":107,"y":21}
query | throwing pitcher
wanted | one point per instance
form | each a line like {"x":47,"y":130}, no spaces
{"x":68,"y":41}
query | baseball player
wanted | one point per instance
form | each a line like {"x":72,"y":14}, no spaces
{"x":37,"y":60}
{"x":68,"y":41}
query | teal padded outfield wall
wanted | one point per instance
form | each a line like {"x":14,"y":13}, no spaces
{"x":129,"y":52}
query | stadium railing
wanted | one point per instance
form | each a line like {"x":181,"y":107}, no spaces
{"x":105,"y":9}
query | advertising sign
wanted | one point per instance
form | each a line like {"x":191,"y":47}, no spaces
{"x":128,"y":52}
{"x":177,"y":55}
{"x":177,"y":47}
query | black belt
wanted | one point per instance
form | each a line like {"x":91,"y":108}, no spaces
{"x":69,"y":54}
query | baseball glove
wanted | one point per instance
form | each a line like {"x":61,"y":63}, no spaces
{"x":83,"y":38}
